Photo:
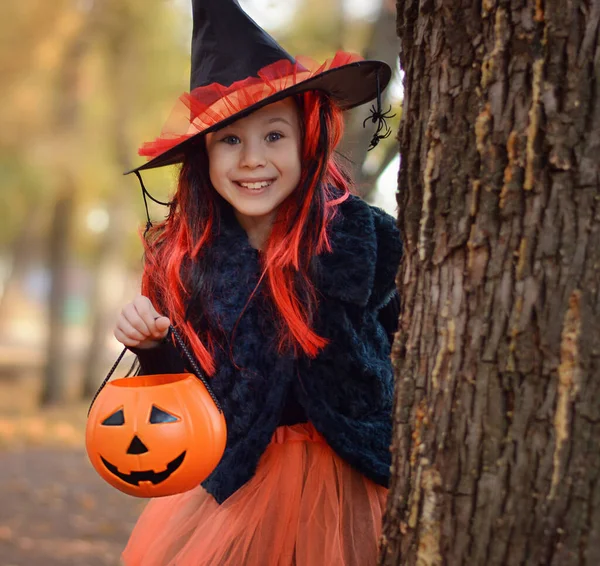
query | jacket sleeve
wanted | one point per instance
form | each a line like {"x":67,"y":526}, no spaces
{"x":164,"y":358}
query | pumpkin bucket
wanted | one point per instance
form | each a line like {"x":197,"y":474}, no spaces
{"x":155,"y":435}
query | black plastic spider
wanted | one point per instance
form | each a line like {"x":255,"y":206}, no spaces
{"x":379,"y":118}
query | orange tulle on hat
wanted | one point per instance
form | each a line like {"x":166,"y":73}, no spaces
{"x":215,"y":104}
{"x":305,"y":506}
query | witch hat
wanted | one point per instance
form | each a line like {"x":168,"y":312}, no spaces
{"x":227,"y":45}
{"x":237,"y":67}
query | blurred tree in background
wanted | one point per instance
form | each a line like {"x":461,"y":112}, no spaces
{"x":84,"y":82}
{"x":84,"y":78}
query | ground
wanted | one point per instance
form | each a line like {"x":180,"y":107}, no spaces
{"x":54,"y":509}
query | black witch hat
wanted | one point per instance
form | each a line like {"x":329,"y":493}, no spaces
{"x":237,"y":67}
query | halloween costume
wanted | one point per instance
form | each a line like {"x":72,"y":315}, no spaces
{"x":346,"y":391}
{"x":341,"y":402}
{"x":304,"y":475}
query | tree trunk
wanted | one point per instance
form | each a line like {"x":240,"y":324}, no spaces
{"x":107,"y":261}
{"x":55,"y":382}
{"x":496,"y":451}
{"x":109,"y":253}
{"x":66,"y":119}
{"x":23,"y":251}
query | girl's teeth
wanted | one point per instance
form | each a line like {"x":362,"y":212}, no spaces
{"x":260,"y":185}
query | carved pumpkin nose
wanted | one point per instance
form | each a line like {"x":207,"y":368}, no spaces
{"x":137,"y":446}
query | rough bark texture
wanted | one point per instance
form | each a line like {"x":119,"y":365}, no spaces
{"x":496,"y":455}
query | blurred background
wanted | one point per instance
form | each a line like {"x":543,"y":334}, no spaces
{"x":84,"y":83}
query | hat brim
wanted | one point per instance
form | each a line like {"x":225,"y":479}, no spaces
{"x":349,"y":86}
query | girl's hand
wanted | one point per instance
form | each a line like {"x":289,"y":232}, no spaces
{"x":140,"y":326}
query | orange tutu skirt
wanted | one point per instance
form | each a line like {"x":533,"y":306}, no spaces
{"x":305,"y":506}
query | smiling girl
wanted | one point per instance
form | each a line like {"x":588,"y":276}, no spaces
{"x":279,"y":279}
{"x":255,"y":165}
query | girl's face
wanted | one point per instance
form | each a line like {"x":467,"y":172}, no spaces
{"x":254,"y":163}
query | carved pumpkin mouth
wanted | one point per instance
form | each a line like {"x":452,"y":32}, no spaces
{"x":134,"y":478}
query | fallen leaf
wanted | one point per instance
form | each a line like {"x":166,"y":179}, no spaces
{"x":87,"y":501}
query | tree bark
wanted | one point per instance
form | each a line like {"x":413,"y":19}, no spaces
{"x":496,"y":452}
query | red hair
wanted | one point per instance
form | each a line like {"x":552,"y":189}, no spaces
{"x":172,"y":278}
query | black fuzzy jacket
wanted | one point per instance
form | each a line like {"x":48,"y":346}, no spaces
{"x":346,"y":392}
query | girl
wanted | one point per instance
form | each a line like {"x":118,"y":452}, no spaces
{"x":279,"y":280}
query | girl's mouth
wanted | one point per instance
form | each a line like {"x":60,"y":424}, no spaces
{"x":256,"y":185}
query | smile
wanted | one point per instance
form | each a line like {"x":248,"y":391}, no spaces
{"x":134,"y":478}
{"x":256,"y":185}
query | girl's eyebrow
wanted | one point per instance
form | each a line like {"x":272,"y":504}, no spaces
{"x":278,"y":119}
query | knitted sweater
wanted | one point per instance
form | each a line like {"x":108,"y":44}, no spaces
{"x":346,"y":391}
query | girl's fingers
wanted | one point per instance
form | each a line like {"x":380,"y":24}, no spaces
{"x":130,"y":330}
{"x":149,"y":315}
{"x":124,"y":339}
{"x":155,"y":313}
{"x":140,"y":325}
{"x":162,"y":324}
{"x":130,"y":315}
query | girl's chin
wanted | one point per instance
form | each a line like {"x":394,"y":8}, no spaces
{"x":258,"y":205}
{"x":255,"y":211}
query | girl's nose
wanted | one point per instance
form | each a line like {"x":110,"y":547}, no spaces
{"x":253,"y":155}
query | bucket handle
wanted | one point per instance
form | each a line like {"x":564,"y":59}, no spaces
{"x":196,"y":370}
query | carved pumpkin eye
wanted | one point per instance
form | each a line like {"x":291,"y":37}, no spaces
{"x":158,"y":416}
{"x":116,"y":419}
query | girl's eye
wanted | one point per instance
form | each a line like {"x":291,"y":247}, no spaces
{"x":274,"y":136}
{"x":231,"y":140}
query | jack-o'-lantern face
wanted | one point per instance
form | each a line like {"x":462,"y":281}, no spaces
{"x":137,"y":447}
{"x":155,"y":435}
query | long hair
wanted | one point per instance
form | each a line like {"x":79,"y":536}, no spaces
{"x":177,"y":271}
